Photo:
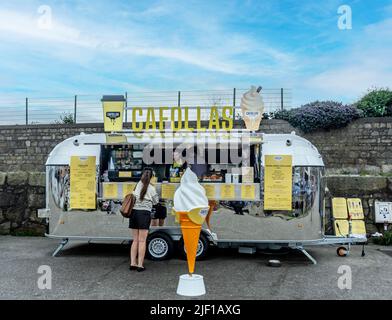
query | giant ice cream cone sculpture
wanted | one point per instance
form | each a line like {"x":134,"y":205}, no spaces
{"x":252,"y":107}
{"x":191,"y":208}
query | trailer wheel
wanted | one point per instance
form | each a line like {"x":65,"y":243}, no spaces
{"x":341,"y":251}
{"x":202,"y":247}
{"x":159,"y":246}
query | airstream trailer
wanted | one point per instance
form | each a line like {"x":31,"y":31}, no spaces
{"x":118,"y":159}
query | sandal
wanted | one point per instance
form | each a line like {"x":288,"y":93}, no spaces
{"x":140,"y":269}
{"x":133,"y":267}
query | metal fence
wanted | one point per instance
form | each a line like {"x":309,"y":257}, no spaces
{"x":88,"y":108}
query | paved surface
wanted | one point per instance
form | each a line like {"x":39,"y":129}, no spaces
{"x":98,"y":271}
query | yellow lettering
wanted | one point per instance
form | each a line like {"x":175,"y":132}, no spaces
{"x":173,"y":119}
{"x":227,"y":123}
{"x":162,"y":118}
{"x":134,"y":122}
{"x":186,"y":122}
{"x":150,"y":122}
{"x":198,"y":120}
{"x":214,"y":119}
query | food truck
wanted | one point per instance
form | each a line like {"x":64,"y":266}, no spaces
{"x":277,"y":181}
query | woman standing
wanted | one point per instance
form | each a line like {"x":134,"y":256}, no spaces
{"x":139,"y":222}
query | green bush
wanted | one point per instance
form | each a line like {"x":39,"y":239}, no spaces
{"x":376,"y":103}
{"x":319,"y":115}
{"x":65,"y":118}
{"x":385,"y":240}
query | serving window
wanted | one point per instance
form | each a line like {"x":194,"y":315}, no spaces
{"x":121,"y":163}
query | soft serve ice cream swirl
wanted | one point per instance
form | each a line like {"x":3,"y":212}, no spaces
{"x":252,"y":107}
{"x":190,"y":194}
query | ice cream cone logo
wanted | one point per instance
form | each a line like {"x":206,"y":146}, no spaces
{"x":252,"y":107}
{"x":191,"y":209}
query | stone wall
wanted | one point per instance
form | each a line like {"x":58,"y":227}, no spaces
{"x":21,"y":194}
{"x":365,"y":145}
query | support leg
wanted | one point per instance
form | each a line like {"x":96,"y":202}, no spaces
{"x":60,"y":247}
{"x":307,"y":255}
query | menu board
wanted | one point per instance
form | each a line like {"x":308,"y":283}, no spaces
{"x":210,"y":191}
{"x":110,"y":190}
{"x":248,"y":191}
{"x":357,"y":227}
{"x":278,"y":182}
{"x":355,"y":209}
{"x":339,"y":208}
{"x":227,"y":191}
{"x":127,"y":188}
{"x":168,"y":190}
{"x":82,"y":183}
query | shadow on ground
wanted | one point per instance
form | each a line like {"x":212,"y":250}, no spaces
{"x":286,"y":255}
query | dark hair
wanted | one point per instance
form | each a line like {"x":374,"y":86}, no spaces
{"x":145,"y":179}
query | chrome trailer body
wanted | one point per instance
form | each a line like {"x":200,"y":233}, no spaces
{"x":301,"y":227}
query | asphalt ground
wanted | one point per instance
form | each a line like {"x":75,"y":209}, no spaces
{"x":100,"y":271}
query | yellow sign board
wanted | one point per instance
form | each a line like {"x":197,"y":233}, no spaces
{"x":355,"y":209}
{"x":210,"y":191}
{"x":278,"y":182}
{"x":113,"y":112}
{"x":357,"y":227}
{"x":127,"y":188}
{"x":156,"y":118}
{"x":168,"y":190}
{"x":82,"y":183}
{"x":110,"y":190}
{"x":125,"y":174}
{"x":115,"y":138}
{"x":339,"y":208}
{"x":248,"y":191}
{"x":227,"y":191}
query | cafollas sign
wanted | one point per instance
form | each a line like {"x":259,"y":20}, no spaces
{"x":151,"y":119}
{"x":179,"y":118}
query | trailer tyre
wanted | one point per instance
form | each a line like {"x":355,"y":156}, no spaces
{"x":341,"y":251}
{"x":159,"y":246}
{"x":202,"y":247}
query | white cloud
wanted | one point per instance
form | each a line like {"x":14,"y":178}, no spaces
{"x":364,"y":64}
{"x":222,"y":52}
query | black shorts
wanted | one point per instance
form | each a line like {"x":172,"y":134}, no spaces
{"x":140,"y":219}
{"x":159,"y":212}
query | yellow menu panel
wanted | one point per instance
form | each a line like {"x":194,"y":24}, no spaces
{"x":125,"y":174}
{"x":127,"y":188}
{"x":357,"y":227}
{"x":168,"y":190}
{"x":278,"y":182}
{"x":82,"y":183}
{"x":339,"y":208}
{"x":227,"y":191}
{"x":210,"y":191}
{"x":248,"y":191}
{"x":355,"y":209}
{"x":110,"y":190}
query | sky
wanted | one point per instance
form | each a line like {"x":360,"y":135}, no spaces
{"x":101,"y":47}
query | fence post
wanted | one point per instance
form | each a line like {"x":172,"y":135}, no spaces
{"x":75,"y":104}
{"x":179,"y":98}
{"x":126,"y":106}
{"x":281,"y":99}
{"x":27,"y":111}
